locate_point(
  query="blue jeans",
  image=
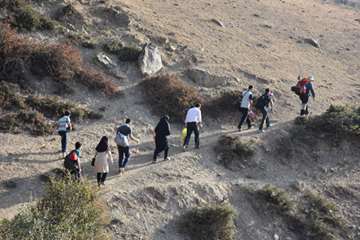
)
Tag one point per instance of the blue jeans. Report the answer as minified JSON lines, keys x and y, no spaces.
{"x":63,"y":135}
{"x":124,"y":155}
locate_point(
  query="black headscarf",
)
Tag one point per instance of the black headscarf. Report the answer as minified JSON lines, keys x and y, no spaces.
{"x":103,"y":145}
{"x":163,"y":127}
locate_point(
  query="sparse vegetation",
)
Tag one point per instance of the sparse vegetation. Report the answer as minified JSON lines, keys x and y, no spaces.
{"x":234,"y":151}
{"x":167,"y":94}
{"x":209,"y":223}
{"x":69,"y":210}
{"x":309,"y":216}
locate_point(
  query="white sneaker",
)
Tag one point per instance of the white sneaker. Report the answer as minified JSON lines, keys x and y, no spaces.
{"x":261,"y":130}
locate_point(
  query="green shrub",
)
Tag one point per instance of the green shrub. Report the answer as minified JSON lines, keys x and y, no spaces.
{"x":27,"y":18}
{"x":167,"y":94}
{"x":277,"y":197}
{"x":128,"y":53}
{"x":209,"y":223}
{"x":233,"y":151}
{"x":69,"y":210}
{"x":9,"y":100}
{"x":340,"y":121}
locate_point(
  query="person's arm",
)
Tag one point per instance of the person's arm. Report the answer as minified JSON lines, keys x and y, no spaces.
{"x":69,"y":123}
{"x":312,"y":92}
{"x":134,"y":138}
{"x":110,"y":157}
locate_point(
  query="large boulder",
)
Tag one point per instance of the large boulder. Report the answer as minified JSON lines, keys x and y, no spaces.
{"x":150,"y":60}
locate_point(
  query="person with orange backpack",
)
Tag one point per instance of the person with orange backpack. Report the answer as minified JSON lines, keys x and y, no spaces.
{"x":304,"y":89}
{"x":72,"y":162}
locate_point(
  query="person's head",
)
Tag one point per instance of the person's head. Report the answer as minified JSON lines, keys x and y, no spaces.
{"x":166,"y":117}
{"x":103,"y":144}
{"x":77,"y":145}
{"x":267,"y":90}
{"x":198,"y":105}
{"x":311,"y":78}
{"x":128,"y":121}
{"x":250,"y":87}
{"x":67,"y":113}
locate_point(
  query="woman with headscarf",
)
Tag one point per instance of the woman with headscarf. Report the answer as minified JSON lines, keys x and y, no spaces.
{"x":162,"y":130}
{"x":103,"y":159}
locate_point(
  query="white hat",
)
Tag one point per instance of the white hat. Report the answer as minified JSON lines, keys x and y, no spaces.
{"x":311,"y":78}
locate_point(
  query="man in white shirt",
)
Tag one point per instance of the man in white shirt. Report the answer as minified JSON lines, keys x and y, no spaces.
{"x":64,"y":126}
{"x":245,"y":105}
{"x":193,"y":121}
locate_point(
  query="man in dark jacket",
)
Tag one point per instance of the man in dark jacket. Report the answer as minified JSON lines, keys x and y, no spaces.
{"x":264,"y":104}
{"x":162,"y":130}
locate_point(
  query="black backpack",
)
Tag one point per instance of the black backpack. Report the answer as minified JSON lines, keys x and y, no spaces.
{"x":262,"y":101}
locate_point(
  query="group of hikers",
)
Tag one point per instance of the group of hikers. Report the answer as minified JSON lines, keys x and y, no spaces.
{"x":193,"y":122}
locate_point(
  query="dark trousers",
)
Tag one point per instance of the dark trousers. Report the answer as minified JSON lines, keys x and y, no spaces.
{"x":264,"y":118}
{"x":304,"y":104}
{"x":124,"y":155}
{"x":244,"y":116}
{"x":192,"y":127}
{"x":75,"y":174}
{"x":63,"y":135}
{"x":158,"y":151}
{"x":101,"y":177}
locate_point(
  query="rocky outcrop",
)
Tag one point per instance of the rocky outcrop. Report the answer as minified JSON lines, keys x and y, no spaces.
{"x":150,"y":60}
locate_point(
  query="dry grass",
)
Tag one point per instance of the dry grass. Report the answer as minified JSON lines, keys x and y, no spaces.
{"x":209,"y":223}
{"x":234,"y":152}
{"x":61,"y":62}
{"x":167,"y":94}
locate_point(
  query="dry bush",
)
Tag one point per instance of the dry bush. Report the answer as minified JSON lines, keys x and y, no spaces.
{"x":234,"y":152}
{"x":9,"y":100}
{"x":167,"y":94}
{"x":227,"y":103}
{"x":96,"y":80}
{"x":68,"y":210}
{"x":129,"y":53}
{"x":33,"y":122}
{"x":209,"y":223}
{"x":59,"y":61}
{"x":53,"y":107}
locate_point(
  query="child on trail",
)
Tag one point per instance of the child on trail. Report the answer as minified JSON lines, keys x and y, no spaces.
{"x":246,"y":101}
{"x":123,"y":134}
{"x":193,"y":122}
{"x":64,"y":126}
{"x":72,"y":162}
{"x":162,"y":130}
{"x":103,"y":159}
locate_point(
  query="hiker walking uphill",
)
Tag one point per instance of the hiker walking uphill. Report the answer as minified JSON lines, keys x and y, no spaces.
{"x":264,"y":104}
{"x":123,"y":134}
{"x":72,"y":162}
{"x":304,"y":89}
{"x":193,"y":121}
{"x":162,"y":130}
{"x":246,"y":101}
{"x":64,"y":126}
{"x":102,"y":160}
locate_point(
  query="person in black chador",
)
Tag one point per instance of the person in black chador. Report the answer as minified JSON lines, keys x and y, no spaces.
{"x":162,"y":130}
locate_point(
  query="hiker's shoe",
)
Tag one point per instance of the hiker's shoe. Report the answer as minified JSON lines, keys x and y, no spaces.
{"x":261,"y":130}
{"x":269,"y":126}
{"x":239,"y":129}
{"x":197,"y":147}
{"x":153,"y":162}
{"x":184,"y":147}
{"x":249,"y":127}
{"x":167,"y":159}
{"x":63,"y":154}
